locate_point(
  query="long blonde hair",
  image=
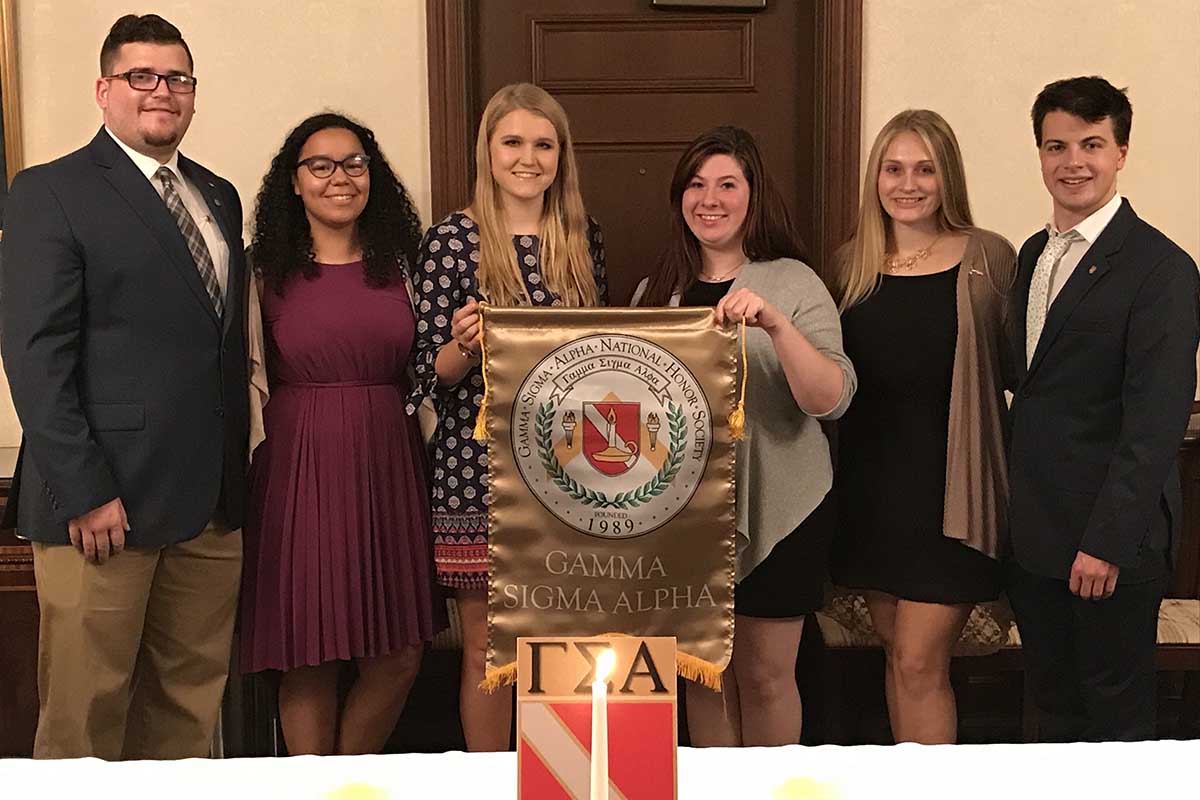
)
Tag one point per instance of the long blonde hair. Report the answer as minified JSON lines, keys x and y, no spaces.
{"x":566,"y":263}
{"x":859,"y":262}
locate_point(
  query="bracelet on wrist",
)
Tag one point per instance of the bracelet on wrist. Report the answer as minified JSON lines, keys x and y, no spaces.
{"x":466,"y":352}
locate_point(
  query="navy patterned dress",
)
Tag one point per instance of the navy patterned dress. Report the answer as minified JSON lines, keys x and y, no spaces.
{"x":443,"y":281}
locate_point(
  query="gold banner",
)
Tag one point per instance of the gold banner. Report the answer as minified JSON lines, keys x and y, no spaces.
{"x":611,"y":470}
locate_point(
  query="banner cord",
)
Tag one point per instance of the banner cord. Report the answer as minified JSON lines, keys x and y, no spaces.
{"x":481,"y":417}
{"x":737,"y":417}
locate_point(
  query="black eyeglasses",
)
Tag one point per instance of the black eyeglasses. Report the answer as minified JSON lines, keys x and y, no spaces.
{"x":323,"y":167}
{"x":145,"y":81}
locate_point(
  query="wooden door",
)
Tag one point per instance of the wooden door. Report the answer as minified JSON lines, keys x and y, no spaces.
{"x":639,"y":83}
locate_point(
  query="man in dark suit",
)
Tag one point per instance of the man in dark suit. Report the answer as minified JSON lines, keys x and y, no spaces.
{"x":123,"y":297}
{"x":1107,"y":314}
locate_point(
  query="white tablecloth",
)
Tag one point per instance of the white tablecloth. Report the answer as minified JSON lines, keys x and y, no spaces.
{"x":963,"y":772}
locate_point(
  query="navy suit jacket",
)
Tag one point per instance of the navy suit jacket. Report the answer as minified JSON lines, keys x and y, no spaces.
{"x":1099,"y":414}
{"x":126,"y":382}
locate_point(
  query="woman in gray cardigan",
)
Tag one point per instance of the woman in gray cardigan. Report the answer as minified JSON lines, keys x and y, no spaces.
{"x":733,"y":246}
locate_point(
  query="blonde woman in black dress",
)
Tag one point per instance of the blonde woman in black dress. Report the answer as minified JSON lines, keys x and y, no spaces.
{"x":922,"y":482}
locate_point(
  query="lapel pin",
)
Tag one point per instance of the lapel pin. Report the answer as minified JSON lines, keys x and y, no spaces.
{"x":976,"y":272}
{"x":1091,"y":270}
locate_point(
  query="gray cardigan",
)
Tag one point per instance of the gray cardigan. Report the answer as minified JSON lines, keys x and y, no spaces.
{"x":783,"y":466}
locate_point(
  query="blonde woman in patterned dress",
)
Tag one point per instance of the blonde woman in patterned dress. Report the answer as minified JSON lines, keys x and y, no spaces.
{"x":524,"y":240}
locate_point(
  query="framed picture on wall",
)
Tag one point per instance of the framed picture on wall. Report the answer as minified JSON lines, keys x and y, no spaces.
{"x":10,"y":106}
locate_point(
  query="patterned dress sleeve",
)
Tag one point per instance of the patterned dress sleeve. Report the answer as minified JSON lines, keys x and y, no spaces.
{"x":599,"y":269}
{"x":443,"y":258}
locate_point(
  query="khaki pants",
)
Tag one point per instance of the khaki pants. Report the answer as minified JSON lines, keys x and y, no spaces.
{"x":133,"y":654}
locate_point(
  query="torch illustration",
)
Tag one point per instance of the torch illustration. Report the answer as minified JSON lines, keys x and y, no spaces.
{"x":652,"y":425}
{"x":568,"y":423}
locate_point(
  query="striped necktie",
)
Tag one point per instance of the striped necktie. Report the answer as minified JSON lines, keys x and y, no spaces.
{"x":191,"y":235}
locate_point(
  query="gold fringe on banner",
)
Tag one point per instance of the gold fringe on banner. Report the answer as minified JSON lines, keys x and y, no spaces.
{"x":481,"y":417}
{"x":496,"y":677}
{"x":698,"y":670}
{"x":737,"y":417}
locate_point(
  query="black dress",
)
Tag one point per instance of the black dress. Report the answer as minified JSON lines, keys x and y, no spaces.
{"x":790,"y":582}
{"x":891,"y":468}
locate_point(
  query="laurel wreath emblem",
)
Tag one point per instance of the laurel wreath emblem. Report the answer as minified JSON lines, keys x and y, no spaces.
{"x":543,"y":431}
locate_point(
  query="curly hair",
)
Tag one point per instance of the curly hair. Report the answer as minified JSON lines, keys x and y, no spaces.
{"x":389,"y":228}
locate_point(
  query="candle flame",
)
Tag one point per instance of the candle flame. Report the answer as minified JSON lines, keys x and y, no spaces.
{"x":605,"y":664}
{"x":805,"y":789}
{"x":357,"y":791}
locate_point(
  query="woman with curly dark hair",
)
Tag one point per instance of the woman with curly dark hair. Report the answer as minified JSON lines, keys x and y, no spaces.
{"x":339,"y":565}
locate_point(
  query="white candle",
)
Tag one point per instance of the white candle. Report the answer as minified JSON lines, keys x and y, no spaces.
{"x":604,"y":665}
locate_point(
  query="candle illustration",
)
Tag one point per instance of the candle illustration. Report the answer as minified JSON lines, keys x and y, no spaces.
{"x":617,"y":450}
{"x":652,"y":425}
{"x":568,"y":423}
{"x":604,"y":666}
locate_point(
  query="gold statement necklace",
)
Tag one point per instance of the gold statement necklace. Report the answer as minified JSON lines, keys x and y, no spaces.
{"x":893,"y":263}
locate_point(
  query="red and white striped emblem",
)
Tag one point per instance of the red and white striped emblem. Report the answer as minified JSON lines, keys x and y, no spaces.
{"x":554,"y":720}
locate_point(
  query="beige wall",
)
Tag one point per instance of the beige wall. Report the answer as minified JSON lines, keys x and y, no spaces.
{"x":263,"y":65}
{"x":980,"y":63}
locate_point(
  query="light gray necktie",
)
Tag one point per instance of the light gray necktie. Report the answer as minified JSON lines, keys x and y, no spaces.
{"x":193,"y":238}
{"x":1039,"y":288}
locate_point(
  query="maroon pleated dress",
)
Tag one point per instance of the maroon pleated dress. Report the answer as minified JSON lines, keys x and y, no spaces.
{"x":339,"y":562}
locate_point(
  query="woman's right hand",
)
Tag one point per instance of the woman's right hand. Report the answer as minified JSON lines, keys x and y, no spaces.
{"x":465,"y":328}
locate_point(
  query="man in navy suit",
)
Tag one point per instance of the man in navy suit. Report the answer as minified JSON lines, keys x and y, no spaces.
{"x":1107,"y":319}
{"x":123,"y":292}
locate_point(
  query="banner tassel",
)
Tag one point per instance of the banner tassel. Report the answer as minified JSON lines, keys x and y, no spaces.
{"x":481,"y":417}
{"x":496,"y":677}
{"x":737,"y":417}
{"x":698,"y":670}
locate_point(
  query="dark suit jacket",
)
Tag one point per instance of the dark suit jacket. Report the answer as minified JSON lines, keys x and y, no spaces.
{"x":1098,"y":417}
{"x":126,"y":382}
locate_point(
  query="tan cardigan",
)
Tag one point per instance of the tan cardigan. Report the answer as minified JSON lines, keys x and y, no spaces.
{"x":976,"y":508}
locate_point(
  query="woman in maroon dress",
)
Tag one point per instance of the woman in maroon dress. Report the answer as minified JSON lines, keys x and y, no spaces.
{"x":338,"y":557}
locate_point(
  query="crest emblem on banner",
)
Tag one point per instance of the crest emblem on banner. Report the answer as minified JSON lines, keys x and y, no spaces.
{"x":611,"y":434}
